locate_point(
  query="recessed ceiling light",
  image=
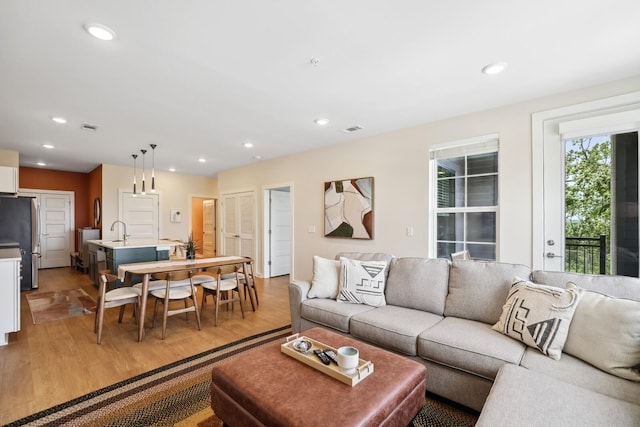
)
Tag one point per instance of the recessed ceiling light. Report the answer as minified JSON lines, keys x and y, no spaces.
{"x":247,"y":145}
{"x":495,"y":68}
{"x":257,"y":157}
{"x":60,"y":120}
{"x":49,"y":146}
{"x":100,"y":31}
{"x":321,"y":122}
{"x":172,"y":169}
{"x":41,"y":164}
{"x":202,"y":160}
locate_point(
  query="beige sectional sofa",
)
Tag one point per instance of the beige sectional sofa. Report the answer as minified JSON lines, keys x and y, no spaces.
{"x":441,"y":313}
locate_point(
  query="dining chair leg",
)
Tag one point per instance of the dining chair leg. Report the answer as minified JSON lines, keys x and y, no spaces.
{"x":155,"y":311}
{"x":95,"y":319}
{"x":165,"y":314}
{"x":217,"y":298}
{"x":100,"y":318}
{"x":195,"y":306}
{"x":122,"y":307}
{"x":241,"y":303}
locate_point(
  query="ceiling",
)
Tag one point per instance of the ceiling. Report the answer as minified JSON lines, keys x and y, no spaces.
{"x":200,"y":78}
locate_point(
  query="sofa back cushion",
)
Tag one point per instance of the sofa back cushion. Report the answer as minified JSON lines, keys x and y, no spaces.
{"x":478,"y":289}
{"x":418,"y":283}
{"x":605,"y":332}
{"x":615,"y":286}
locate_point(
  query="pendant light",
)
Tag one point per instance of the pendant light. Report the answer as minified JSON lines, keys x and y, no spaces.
{"x":153,"y":167}
{"x":143,"y":153}
{"x":135,"y":156}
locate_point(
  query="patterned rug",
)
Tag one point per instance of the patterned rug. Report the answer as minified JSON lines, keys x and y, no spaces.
{"x":57,"y":305}
{"x":178,"y":394}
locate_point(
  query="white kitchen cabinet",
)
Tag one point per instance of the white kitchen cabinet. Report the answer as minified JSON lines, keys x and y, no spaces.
{"x":8,"y":180}
{"x":9,"y":293}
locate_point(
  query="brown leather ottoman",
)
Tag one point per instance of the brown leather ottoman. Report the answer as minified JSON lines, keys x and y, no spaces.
{"x":265,"y":387}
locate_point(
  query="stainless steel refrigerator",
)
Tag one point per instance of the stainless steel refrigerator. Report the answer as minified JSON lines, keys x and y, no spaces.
{"x":20,"y":228}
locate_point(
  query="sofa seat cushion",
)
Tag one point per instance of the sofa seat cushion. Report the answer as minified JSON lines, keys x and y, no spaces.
{"x":577,"y":372}
{"x":392,"y":327}
{"x":329,"y":312}
{"x":469,"y":346}
{"x":521,"y":397}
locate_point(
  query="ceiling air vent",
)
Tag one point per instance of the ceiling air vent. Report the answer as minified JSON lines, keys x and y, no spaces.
{"x":353,"y":128}
{"x":87,"y":126}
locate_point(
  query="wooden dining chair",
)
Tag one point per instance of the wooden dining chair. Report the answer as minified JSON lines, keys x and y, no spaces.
{"x":248,"y":281}
{"x":178,"y":286}
{"x":117,"y":297}
{"x":224,"y":291}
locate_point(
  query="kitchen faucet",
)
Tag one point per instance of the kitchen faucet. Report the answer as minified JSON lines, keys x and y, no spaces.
{"x":125,"y":235}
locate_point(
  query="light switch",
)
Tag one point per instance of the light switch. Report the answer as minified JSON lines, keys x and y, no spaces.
{"x":311,"y":229}
{"x":409,"y":231}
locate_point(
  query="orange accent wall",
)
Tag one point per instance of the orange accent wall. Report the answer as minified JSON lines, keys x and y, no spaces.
{"x":196,"y":221}
{"x":48,"y":179}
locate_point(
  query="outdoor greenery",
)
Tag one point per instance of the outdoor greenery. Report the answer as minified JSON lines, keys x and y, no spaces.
{"x":588,"y":192}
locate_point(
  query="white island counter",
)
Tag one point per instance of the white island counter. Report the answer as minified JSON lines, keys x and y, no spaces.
{"x":136,"y":243}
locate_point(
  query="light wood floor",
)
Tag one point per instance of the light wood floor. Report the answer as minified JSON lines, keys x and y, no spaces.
{"x":50,"y":363}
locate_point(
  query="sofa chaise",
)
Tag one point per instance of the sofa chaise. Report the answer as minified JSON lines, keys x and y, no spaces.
{"x":460,"y":318}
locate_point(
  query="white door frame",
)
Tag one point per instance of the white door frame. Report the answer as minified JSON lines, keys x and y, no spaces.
{"x":266,"y":216}
{"x":544,"y":129}
{"x":32,"y":192}
{"x":217,"y":224}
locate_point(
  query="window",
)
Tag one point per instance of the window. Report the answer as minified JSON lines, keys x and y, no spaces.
{"x":465,"y":198}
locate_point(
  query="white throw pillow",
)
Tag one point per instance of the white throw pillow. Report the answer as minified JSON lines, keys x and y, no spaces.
{"x":325,"y":278}
{"x":605,"y":332}
{"x":362,"y":282}
{"x":538,"y":315}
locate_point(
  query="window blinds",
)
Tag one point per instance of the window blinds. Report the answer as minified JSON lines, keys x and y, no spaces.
{"x":626,"y":121}
{"x":471,"y":147}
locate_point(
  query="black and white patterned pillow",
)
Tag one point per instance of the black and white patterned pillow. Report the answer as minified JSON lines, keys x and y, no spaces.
{"x":538,"y":315}
{"x":362,"y":282}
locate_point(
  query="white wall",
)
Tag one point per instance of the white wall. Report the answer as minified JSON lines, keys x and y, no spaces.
{"x":175,"y":192}
{"x":398,"y":161}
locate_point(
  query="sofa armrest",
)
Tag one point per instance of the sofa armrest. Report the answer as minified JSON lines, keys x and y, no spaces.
{"x":298,"y":290}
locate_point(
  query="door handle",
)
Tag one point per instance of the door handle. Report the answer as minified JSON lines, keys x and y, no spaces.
{"x":552,"y":255}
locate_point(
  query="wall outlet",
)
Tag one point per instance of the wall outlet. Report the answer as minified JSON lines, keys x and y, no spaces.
{"x":409,"y":231}
{"x":311,"y":229}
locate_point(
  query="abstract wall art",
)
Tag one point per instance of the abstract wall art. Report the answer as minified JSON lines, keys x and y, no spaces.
{"x":348,"y":208}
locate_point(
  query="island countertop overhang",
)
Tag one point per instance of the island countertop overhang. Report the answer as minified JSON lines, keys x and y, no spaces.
{"x":159,"y":244}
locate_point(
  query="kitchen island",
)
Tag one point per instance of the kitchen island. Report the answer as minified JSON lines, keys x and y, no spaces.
{"x":109,"y":254}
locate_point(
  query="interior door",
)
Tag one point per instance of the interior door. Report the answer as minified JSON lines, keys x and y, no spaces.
{"x":238,"y":230}
{"x":209,"y":228}
{"x":140,"y":213}
{"x":55,"y":213}
{"x":279,"y":233}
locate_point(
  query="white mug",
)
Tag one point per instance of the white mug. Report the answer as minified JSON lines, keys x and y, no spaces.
{"x":348,"y":359}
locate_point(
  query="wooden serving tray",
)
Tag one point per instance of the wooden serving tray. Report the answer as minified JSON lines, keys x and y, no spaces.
{"x":365,"y":368}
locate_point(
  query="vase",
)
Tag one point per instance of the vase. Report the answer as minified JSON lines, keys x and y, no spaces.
{"x":191,"y":255}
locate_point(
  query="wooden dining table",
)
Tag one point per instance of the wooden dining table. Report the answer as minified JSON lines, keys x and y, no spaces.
{"x":145,"y":270}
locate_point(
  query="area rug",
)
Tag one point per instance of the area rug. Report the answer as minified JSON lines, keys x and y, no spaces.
{"x":178,"y":394}
{"x":57,"y":305}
